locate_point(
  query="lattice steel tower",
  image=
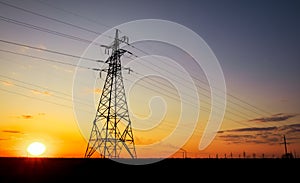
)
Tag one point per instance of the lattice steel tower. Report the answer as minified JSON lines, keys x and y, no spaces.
{"x":111,"y":131}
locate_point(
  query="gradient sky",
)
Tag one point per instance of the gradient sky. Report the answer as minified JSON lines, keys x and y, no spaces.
{"x":256,"y":43}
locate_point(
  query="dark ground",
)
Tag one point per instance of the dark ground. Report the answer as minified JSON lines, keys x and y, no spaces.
{"x":107,"y":170}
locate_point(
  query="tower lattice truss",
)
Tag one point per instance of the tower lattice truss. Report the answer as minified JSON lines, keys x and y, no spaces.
{"x":111,"y":132}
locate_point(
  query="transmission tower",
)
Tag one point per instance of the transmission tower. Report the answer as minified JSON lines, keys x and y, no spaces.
{"x":111,"y":131}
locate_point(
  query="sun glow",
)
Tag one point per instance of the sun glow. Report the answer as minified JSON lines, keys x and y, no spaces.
{"x":36,"y":149}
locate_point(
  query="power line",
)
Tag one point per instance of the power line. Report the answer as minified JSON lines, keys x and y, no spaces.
{"x":68,"y":36}
{"x":42,"y":29}
{"x":146,"y":53}
{"x":52,"y":51}
{"x":74,"y":14}
{"x":48,"y":31}
{"x":91,"y":31}
{"x":50,"y":18}
{"x":69,"y":97}
{"x":21,"y":94}
{"x":62,"y":93}
{"x":51,"y":60}
{"x":159,"y":90}
{"x":33,"y":89}
{"x":165,"y":70}
{"x":45,"y":59}
{"x":205,"y":109}
{"x":257,"y":110}
{"x":87,"y":41}
{"x":170,"y":125}
{"x":46,"y":50}
{"x":247,"y":103}
{"x":155,"y":82}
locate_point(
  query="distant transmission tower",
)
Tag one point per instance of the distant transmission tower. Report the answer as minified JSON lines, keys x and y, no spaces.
{"x":111,"y":131}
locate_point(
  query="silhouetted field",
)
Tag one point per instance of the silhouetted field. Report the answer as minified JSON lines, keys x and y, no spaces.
{"x":98,"y":170}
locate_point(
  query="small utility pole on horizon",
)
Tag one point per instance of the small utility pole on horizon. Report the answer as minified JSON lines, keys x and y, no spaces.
{"x":286,"y":153}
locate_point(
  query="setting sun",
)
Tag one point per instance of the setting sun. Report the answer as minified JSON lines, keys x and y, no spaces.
{"x":36,"y":148}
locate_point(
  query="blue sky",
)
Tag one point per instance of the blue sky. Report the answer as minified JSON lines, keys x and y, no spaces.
{"x":256,"y":42}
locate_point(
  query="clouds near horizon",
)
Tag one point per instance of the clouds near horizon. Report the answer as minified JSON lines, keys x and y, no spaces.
{"x":260,"y":135}
{"x":275,"y":118}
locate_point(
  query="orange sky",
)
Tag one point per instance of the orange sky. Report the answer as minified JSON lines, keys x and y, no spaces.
{"x":49,"y":94}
